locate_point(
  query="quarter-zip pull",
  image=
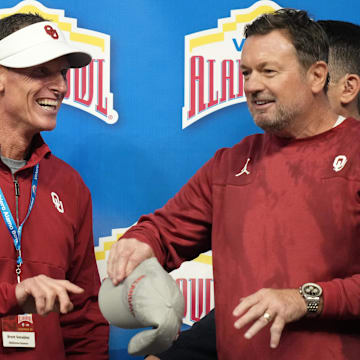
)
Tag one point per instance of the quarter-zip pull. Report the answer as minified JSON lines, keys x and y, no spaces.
{"x":17,"y":188}
{"x":17,"y":195}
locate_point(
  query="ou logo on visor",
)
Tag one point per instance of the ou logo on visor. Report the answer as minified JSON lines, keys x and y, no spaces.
{"x":58,"y":204}
{"x":51,"y":31}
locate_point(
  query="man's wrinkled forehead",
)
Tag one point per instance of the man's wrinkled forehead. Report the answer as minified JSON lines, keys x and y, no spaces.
{"x":267,"y":48}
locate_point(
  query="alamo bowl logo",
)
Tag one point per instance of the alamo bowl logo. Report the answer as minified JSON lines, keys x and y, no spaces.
{"x":213,"y":79}
{"x":88,"y":87}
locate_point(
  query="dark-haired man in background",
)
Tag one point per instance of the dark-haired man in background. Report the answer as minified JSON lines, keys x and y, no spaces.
{"x":344,"y":67}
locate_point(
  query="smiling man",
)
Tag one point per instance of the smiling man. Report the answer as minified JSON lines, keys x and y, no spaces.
{"x":199,"y":342}
{"x":48,"y":268}
{"x":284,"y":233}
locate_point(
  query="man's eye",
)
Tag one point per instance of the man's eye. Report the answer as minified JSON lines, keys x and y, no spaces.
{"x":39,"y":72}
{"x":64,"y":73}
{"x":269,"y":71}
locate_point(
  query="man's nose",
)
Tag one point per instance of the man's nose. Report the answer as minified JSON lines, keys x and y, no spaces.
{"x":253,"y":83}
{"x":59,"y":83}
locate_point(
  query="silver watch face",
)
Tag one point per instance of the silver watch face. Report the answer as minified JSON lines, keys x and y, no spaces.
{"x":311,"y":289}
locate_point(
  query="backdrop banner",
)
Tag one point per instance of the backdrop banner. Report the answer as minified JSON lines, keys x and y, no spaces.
{"x":164,"y":91}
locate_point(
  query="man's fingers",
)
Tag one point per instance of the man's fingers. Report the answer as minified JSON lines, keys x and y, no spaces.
{"x":133,"y":262}
{"x":276,"y":330}
{"x":42,"y":294}
{"x":57,"y":295}
{"x":280,"y":306}
{"x":68,"y":286}
{"x":261,"y":322}
{"x":125,"y":256}
{"x":111,"y":261}
{"x":39,"y":294}
{"x":41,"y":305}
{"x":117,"y":262}
{"x":130,"y":266}
{"x":253,"y":314}
{"x":62,"y":302}
{"x":45,"y":292}
{"x":54,"y":295}
{"x":247,"y":302}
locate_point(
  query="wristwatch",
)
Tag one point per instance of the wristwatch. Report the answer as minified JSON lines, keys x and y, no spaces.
{"x":311,"y":293}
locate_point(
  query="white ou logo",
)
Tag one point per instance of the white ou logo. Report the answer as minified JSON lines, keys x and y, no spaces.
{"x":339,"y":162}
{"x":58,"y":204}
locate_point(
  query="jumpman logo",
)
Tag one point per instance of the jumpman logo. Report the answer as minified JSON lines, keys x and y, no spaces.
{"x":244,"y":169}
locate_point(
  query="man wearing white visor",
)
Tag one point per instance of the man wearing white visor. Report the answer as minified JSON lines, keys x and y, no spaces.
{"x":48,"y":278}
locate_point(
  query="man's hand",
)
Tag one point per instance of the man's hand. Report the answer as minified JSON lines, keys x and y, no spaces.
{"x":125,"y":256}
{"x":269,"y":305}
{"x":41,"y":294}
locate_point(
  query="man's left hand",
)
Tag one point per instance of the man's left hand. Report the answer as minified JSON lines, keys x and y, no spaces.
{"x":266,"y":306}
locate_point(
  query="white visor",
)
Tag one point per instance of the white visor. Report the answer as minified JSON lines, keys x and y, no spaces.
{"x":37,"y":44}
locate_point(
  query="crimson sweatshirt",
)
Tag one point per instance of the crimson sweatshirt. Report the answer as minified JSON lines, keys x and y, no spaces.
{"x":56,"y":241}
{"x":276,"y":213}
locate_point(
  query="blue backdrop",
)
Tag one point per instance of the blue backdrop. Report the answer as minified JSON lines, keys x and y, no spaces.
{"x":134,"y":165}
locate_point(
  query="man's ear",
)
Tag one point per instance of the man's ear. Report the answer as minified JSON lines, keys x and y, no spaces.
{"x":317,"y":75}
{"x":2,"y":78}
{"x":350,"y":89}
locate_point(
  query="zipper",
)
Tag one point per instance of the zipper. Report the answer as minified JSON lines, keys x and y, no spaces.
{"x":17,"y":195}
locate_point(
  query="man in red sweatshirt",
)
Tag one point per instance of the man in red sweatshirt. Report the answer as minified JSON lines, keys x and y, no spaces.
{"x":199,"y":342}
{"x":48,"y":280}
{"x":280,"y":210}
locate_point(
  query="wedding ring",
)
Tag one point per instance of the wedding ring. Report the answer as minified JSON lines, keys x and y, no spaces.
{"x":267,"y":317}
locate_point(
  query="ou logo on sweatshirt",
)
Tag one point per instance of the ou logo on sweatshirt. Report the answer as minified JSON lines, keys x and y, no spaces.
{"x":339,"y":162}
{"x":58,"y":204}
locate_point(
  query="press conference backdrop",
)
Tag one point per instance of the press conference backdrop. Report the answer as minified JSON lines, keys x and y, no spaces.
{"x":162,"y":94}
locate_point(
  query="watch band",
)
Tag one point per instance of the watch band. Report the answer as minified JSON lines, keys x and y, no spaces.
{"x":311,"y":293}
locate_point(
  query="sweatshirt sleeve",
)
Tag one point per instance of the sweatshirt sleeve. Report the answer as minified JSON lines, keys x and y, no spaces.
{"x":85,"y":331}
{"x":341,"y":298}
{"x":181,"y":230}
{"x":8,"y":302}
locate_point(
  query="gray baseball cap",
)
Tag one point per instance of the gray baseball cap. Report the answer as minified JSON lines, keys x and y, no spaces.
{"x":148,"y":297}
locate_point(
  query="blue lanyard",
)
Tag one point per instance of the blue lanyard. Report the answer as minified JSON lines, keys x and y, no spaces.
{"x":14,"y":231}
